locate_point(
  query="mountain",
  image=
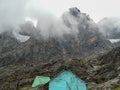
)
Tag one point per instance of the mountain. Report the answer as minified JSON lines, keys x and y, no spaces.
{"x":86,"y":41}
{"x":82,"y":50}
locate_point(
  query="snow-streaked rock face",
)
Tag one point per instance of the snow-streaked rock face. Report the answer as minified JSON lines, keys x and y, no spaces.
{"x":114,"y":40}
{"x":21,"y":38}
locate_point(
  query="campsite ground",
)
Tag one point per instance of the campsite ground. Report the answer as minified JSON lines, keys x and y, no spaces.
{"x":98,"y":74}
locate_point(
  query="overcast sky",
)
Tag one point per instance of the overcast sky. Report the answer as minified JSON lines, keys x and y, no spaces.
{"x":13,"y":11}
{"x":97,"y":9}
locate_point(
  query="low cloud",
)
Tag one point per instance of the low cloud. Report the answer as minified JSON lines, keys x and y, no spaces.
{"x":110,"y":27}
{"x":14,"y":13}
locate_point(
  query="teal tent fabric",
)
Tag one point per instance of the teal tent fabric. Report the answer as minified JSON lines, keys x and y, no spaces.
{"x":66,"y":80}
{"x":40,"y":80}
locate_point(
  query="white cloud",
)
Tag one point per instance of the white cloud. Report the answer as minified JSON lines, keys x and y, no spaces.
{"x":97,"y":9}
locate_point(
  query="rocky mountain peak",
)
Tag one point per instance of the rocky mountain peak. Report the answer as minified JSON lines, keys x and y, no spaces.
{"x":74,"y":11}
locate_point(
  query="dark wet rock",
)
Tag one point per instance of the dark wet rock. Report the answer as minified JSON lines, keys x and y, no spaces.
{"x":75,"y":11}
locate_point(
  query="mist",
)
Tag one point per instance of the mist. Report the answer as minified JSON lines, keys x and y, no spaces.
{"x":15,"y":12}
{"x":110,"y":27}
{"x":12,"y":13}
{"x":40,"y":21}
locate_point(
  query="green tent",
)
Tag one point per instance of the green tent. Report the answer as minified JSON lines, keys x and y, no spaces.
{"x":40,"y":80}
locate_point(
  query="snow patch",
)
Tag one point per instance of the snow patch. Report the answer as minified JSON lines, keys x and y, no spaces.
{"x":21,"y":38}
{"x":114,"y":40}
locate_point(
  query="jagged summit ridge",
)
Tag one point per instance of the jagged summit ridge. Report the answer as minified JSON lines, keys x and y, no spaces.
{"x":83,"y":39}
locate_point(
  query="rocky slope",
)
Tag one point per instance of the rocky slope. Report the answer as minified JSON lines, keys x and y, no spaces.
{"x":100,"y":72}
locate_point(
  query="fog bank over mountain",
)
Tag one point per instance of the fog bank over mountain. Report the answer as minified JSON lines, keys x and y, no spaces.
{"x":13,"y":16}
{"x":110,"y":27}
